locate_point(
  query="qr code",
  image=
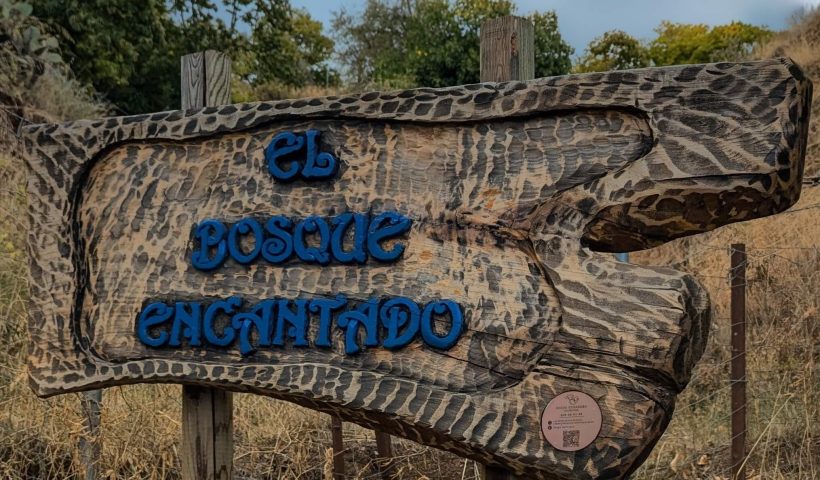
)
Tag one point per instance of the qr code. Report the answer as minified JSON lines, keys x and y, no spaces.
{"x":572,"y":438}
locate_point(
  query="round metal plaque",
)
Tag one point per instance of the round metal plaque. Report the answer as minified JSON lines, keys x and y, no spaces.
{"x":571,"y":421}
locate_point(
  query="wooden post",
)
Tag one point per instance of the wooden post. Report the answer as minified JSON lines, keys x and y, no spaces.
{"x":507,"y":53}
{"x":507,"y":49}
{"x":738,"y":378}
{"x":494,"y":473}
{"x":339,"y":472}
{"x":90,"y":446}
{"x":384,"y":450}
{"x":206,"y":79}
{"x":207,"y":413}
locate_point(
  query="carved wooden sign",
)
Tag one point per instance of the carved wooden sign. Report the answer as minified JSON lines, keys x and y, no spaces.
{"x":424,"y":261}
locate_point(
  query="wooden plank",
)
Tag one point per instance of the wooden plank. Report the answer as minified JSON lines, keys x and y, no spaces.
{"x":207,"y":413}
{"x":507,"y":49}
{"x":513,"y":190}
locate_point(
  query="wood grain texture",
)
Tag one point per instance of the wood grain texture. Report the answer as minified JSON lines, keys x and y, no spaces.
{"x":206,"y":79}
{"x":507,"y":49}
{"x":217,"y":79}
{"x":511,"y":188}
{"x":192,"y":80}
{"x":207,"y":413}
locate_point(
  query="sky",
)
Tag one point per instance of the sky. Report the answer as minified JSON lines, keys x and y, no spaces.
{"x":580,"y":21}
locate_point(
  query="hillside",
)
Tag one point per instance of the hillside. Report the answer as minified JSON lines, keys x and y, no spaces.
{"x":141,"y":433}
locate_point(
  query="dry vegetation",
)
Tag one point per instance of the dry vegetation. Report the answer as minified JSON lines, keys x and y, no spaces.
{"x":141,"y":424}
{"x":783,"y":342}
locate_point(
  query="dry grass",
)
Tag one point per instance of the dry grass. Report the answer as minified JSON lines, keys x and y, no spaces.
{"x":141,"y":426}
{"x":783,"y":304}
{"x":783,"y":281}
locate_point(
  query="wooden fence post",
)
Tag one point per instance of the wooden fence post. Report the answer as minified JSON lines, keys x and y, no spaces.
{"x":207,"y":413}
{"x":507,"y":53}
{"x":738,"y":377}
{"x":339,"y":472}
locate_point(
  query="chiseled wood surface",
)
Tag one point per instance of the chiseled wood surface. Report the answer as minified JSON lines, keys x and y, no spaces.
{"x":511,"y":188}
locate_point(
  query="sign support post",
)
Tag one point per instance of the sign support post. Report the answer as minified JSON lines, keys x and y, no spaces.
{"x":339,"y":472}
{"x":384,"y":449}
{"x":507,"y":49}
{"x":207,"y":413}
{"x":507,"y":54}
{"x":91,"y":443}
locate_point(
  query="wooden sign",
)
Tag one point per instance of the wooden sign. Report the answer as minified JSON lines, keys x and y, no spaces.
{"x":424,"y":262}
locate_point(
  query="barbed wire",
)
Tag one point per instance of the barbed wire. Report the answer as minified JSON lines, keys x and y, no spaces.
{"x":22,"y":121}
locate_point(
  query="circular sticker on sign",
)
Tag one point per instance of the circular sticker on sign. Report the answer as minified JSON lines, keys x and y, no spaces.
{"x":571,"y":421}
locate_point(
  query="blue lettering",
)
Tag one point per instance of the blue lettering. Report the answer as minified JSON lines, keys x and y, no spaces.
{"x":397,"y":314}
{"x":229,"y":334}
{"x":244,"y":227}
{"x":283,"y":145}
{"x":365,"y":315}
{"x":384,"y":227}
{"x":340,"y":227}
{"x":350,"y":321}
{"x":313,"y":240}
{"x":259,"y":317}
{"x":392,"y":323}
{"x":295,"y":322}
{"x":286,"y":145}
{"x":186,"y":324}
{"x":279,"y":247}
{"x":318,"y":254}
{"x":153,"y":315}
{"x":318,"y":165}
{"x":210,"y":234}
{"x":428,"y":332}
{"x":325,"y":307}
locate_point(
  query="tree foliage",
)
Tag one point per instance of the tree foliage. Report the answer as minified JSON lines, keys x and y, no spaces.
{"x":675,"y":44}
{"x":680,"y":43}
{"x":614,"y":50}
{"x":112,"y":46}
{"x":372,"y":46}
{"x":433,"y":42}
{"x":552,"y":53}
{"x":289,"y":46}
{"x":129,"y":51}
